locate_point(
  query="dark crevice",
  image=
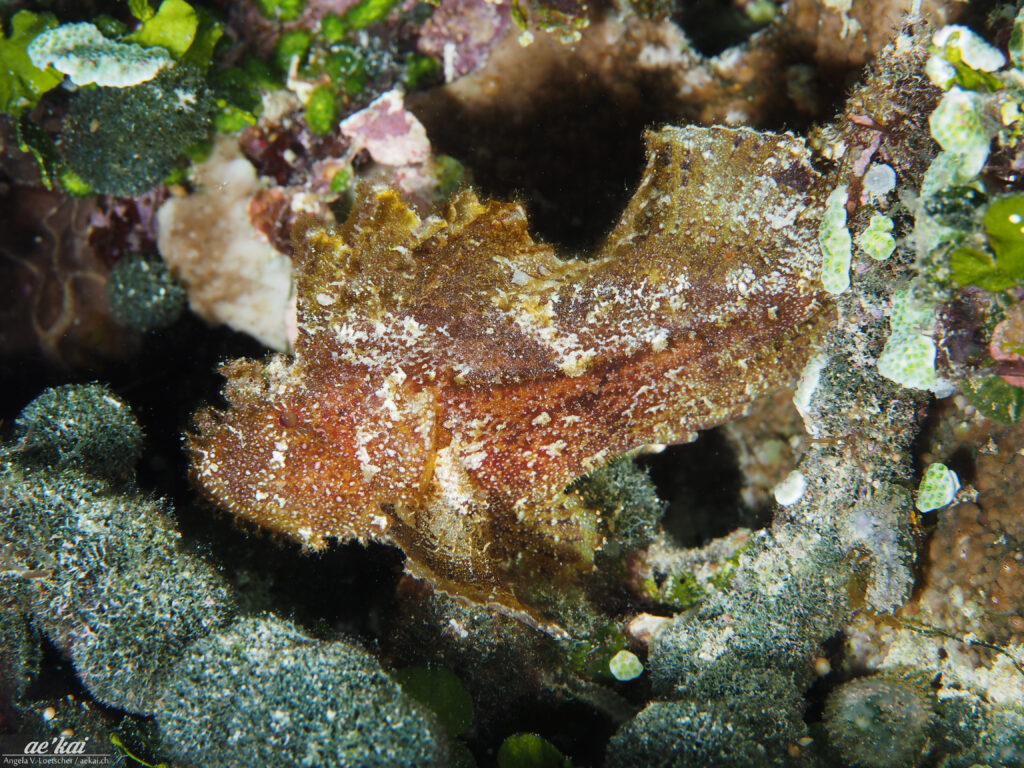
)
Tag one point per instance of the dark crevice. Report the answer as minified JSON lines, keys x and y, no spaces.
{"x":573,"y":155}
{"x":701,"y":481}
{"x":56,"y":677}
{"x":834,"y":649}
{"x":715,"y":25}
{"x":560,"y":129}
{"x":961,"y":459}
{"x":925,"y":437}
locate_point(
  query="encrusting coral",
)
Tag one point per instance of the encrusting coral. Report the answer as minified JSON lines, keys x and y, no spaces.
{"x":440,"y":361}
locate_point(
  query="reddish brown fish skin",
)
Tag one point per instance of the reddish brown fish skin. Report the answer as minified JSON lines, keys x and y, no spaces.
{"x":451,"y":376}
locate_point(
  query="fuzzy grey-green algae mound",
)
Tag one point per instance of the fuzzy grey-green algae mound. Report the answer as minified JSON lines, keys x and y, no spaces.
{"x":318,"y":703}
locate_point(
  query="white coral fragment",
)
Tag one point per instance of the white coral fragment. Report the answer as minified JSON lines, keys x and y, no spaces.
{"x":233,"y":276}
{"x":791,"y":490}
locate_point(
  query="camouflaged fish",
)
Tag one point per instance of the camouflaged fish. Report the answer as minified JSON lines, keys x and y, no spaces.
{"x":452,"y":376}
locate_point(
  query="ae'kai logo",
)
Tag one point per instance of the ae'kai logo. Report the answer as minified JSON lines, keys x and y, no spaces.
{"x":58,"y":745}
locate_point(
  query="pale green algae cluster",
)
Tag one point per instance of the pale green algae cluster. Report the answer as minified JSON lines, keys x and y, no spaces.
{"x":836,"y":244}
{"x":959,"y":123}
{"x":625,"y":665}
{"x":976,"y":86}
{"x":83,"y":53}
{"x":877,"y":240}
{"x":938,"y":487}
{"x":909,"y":354}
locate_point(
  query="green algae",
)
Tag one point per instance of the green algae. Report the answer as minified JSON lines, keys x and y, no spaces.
{"x":22,"y":83}
{"x":995,"y":399}
{"x":529,"y":750}
{"x":443,"y":692}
